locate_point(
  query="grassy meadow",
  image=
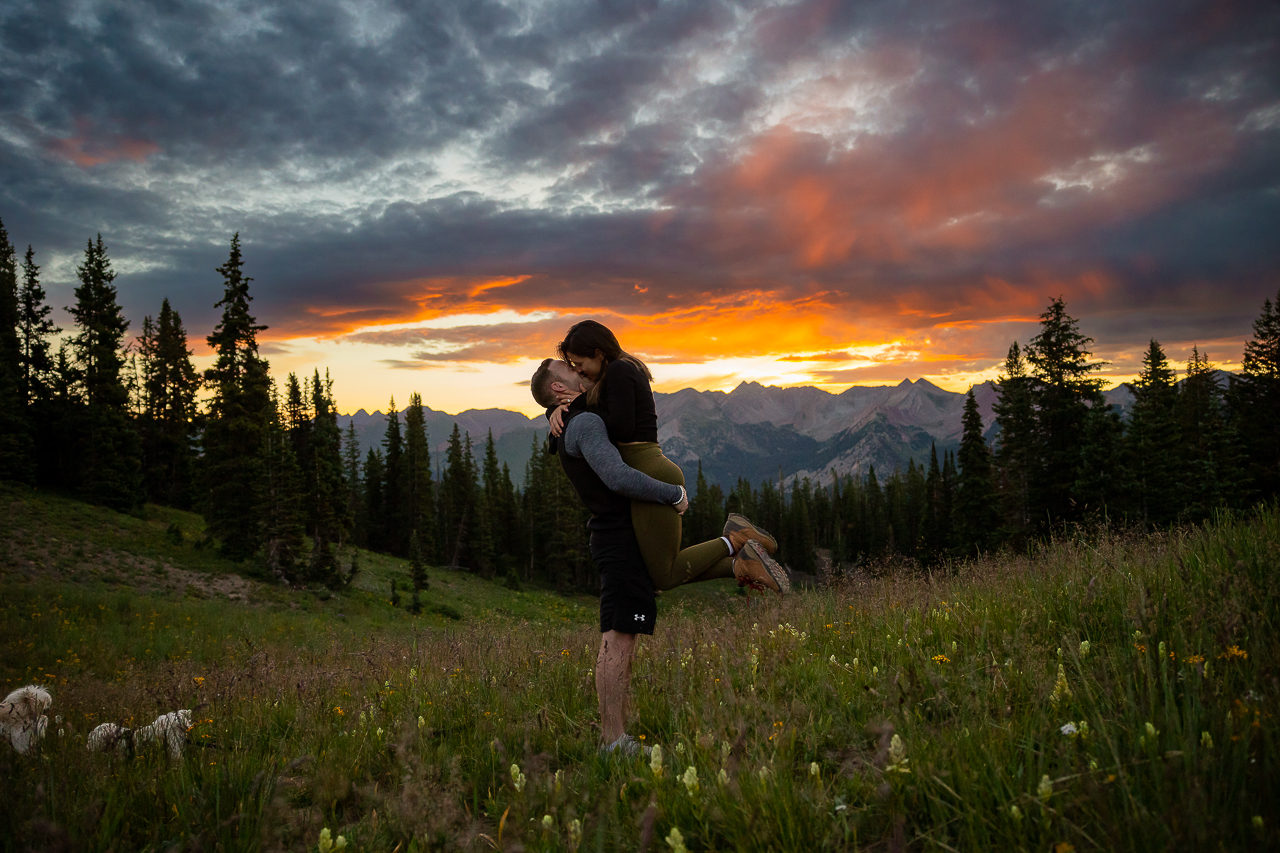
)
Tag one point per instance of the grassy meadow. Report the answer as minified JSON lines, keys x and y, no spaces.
{"x":1107,"y":692}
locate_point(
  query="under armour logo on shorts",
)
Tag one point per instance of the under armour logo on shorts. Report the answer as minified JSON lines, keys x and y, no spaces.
{"x":639,"y":617}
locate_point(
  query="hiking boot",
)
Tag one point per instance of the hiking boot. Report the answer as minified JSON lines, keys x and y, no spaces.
{"x":753,"y":567}
{"x":739,"y":531}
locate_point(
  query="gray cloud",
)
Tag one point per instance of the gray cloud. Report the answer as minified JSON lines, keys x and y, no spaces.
{"x":627,"y":156}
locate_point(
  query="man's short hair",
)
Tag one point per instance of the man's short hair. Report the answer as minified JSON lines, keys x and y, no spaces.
{"x":540,"y":384}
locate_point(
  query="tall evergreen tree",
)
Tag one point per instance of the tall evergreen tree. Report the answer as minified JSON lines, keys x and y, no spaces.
{"x":109,"y":456}
{"x":326,"y":509}
{"x":1152,"y":438}
{"x":976,"y":511}
{"x":1016,"y":454}
{"x":417,"y":572}
{"x":15,"y":438}
{"x":240,"y":412}
{"x":34,"y":332}
{"x":370,"y":523}
{"x":1064,"y":391}
{"x":1256,"y":399}
{"x":351,"y":480}
{"x":457,"y":494}
{"x":1209,"y":465}
{"x":166,"y":425}
{"x":280,"y":516}
{"x":395,"y":510}
{"x":419,"y":485}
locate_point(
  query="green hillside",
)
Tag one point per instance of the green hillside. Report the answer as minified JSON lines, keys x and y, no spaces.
{"x":1109,"y":692}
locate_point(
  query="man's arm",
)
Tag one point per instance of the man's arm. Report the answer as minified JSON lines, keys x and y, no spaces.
{"x":586,"y":437}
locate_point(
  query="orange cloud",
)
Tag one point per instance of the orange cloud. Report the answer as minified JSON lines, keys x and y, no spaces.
{"x":89,"y":148}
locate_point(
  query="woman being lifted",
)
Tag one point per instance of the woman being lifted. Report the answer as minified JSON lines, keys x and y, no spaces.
{"x":621,"y":395}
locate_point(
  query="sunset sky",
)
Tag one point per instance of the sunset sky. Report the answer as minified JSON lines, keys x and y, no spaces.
{"x":793,"y":193}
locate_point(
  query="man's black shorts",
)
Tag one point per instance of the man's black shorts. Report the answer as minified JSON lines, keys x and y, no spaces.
{"x":627,"y":600}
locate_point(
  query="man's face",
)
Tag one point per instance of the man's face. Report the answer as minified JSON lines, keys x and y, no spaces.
{"x":571,"y":381}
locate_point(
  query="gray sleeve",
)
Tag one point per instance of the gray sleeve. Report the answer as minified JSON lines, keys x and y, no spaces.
{"x":587,"y":438}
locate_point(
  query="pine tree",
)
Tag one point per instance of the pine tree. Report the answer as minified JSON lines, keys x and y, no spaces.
{"x":419,"y":485}
{"x":876,"y":534}
{"x":370,"y":523}
{"x":351,"y":481}
{"x":1256,"y":398}
{"x":395,"y":511}
{"x":977,"y":514}
{"x":15,"y":437}
{"x":108,"y":452}
{"x":417,"y":568}
{"x":1017,"y":448}
{"x":801,"y":543}
{"x":325,"y":499}
{"x":1152,"y":438}
{"x":457,"y":497}
{"x":34,"y":331}
{"x":239,"y":414}
{"x":1064,"y":391}
{"x":166,"y":425}
{"x":1209,"y":467}
{"x":280,"y":516}
{"x":1104,"y":484}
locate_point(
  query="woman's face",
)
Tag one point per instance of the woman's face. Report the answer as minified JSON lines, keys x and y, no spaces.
{"x":588,"y":366}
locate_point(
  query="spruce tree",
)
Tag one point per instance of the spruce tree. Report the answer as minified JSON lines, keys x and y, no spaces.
{"x":1256,"y":399}
{"x":34,"y":331}
{"x":457,"y":491}
{"x":370,"y":523}
{"x":326,"y":508}
{"x":279,"y":498}
{"x":419,"y":485}
{"x":166,"y":425}
{"x":1209,"y":465}
{"x":976,"y":512}
{"x":351,"y":480}
{"x":1016,"y":453}
{"x":1065,"y":389}
{"x":395,"y":515}
{"x":15,"y":437}
{"x":1152,"y":439}
{"x":108,"y":452}
{"x":1104,"y":485}
{"x":240,"y":412}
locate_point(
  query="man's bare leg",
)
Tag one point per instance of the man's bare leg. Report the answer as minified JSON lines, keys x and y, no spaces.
{"x":613,"y":682}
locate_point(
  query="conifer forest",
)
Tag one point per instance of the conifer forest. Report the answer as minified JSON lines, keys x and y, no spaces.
{"x":282,"y":488}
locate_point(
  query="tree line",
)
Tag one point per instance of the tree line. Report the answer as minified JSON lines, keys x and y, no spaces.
{"x":281,"y":486}
{"x":1061,"y":455}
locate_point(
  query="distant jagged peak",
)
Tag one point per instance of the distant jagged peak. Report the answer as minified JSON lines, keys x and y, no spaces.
{"x":906,"y":382}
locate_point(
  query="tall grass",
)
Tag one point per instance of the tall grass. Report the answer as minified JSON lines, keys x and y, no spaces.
{"x":920,"y":712}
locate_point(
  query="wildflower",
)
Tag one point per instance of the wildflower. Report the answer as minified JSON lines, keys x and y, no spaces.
{"x":1093,"y":764}
{"x":855,"y":661}
{"x":1045,"y":789}
{"x":832,"y":659}
{"x":954,"y":647}
{"x":1141,"y":648}
{"x":1194,"y":659}
{"x":575,"y":833}
{"x":1084,"y":648}
{"x":1015,"y":813}
{"x":1151,"y":730}
{"x":690,"y":779}
{"x":1070,"y":730}
{"x":379,"y":731}
{"x":1206,"y":740}
{"x":1084,"y":729}
{"x":676,"y":841}
{"x":1137,"y":635}
{"x":814,"y":770}
{"x":328,"y":843}
{"x":723,"y":777}
{"x":655,"y":760}
{"x":198,"y":680}
{"x":764,"y":773}
{"x":1234,"y":652}
{"x":875,"y":670}
{"x":897,"y":756}
{"x":337,"y":709}
{"x":557,"y":780}
{"x":1059,"y":652}
{"x":548,"y":822}
{"x":421,"y":722}
{"x":942,"y":659}
{"x":517,"y":778}
{"x":1061,"y":690}
{"x":1160,"y":648}
{"x":680,"y":748}
{"x":724,"y":749}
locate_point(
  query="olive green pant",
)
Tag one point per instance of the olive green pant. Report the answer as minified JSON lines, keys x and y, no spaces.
{"x":658,"y":528}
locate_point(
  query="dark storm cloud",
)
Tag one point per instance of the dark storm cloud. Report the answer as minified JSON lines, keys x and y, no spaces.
{"x":687,"y":153}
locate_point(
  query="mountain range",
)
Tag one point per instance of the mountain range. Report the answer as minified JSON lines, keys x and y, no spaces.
{"x":754,"y":431}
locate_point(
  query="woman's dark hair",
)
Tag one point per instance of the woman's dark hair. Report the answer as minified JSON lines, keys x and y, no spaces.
{"x":587,"y":336}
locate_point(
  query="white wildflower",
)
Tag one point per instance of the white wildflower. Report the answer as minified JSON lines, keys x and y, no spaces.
{"x":690,"y":779}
